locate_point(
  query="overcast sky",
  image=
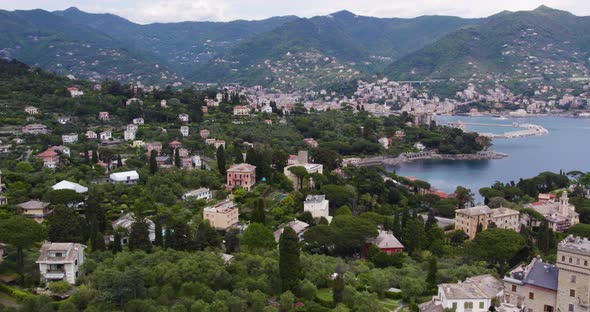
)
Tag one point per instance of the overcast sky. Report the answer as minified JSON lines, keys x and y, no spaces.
{"x":149,"y":11}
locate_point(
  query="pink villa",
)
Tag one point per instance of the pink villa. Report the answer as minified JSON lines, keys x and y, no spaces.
{"x":204,"y":133}
{"x":243,"y":175}
{"x":104,"y":116}
{"x":157,"y":146}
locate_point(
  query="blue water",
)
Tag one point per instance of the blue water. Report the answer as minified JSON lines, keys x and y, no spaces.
{"x":566,"y":147}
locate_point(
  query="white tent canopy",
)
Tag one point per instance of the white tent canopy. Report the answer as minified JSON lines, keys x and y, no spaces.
{"x":67,"y":185}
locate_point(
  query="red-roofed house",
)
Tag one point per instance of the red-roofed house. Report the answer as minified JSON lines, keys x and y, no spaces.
{"x":243,"y":175}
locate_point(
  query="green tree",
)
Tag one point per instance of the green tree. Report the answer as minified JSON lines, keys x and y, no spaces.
{"x":220,"y":156}
{"x":177,"y":160}
{"x":98,"y":242}
{"x":21,"y":233}
{"x":338,"y":285}
{"x":117,"y":242}
{"x":119,"y":161}
{"x":207,"y":236}
{"x":178,"y":235}
{"x":139,"y":236}
{"x":414,"y":236}
{"x":153,"y":162}
{"x":352,"y":233}
{"x":258,"y":237}
{"x":289,"y":262}
{"x":546,"y":238}
{"x":431,"y":275}
{"x":497,"y":246}
{"x":232,"y":241}
{"x":465,"y":196}
{"x":159,"y":240}
{"x":259,"y":214}
{"x":63,"y":225}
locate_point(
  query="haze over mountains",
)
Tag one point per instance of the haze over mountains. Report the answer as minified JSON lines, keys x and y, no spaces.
{"x":291,"y":52}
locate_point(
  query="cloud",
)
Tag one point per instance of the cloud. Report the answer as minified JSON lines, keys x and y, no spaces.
{"x":149,"y":11}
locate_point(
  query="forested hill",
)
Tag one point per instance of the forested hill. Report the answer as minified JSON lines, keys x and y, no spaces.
{"x":543,"y":42}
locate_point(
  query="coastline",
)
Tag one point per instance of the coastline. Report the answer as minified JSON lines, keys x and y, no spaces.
{"x":409,"y":157}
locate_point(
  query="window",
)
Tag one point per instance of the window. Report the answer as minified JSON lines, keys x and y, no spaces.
{"x":570,"y":259}
{"x":570,"y":308}
{"x":530,"y":310}
{"x":76,"y":262}
{"x":455,"y":306}
{"x":562,"y":258}
{"x":585,"y":262}
{"x":572,"y":292}
{"x":468,"y":305}
{"x":547,"y":308}
{"x":573,"y":279}
{"x":513,"y":288}
{"x":481,"y":305}
{"x":532,"y":296}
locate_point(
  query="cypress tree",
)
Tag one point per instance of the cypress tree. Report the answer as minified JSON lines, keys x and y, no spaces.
{"x":432,"y":270}
{"x":139,"y":238}
{"x":87,"y":157}
{"x":119,"y":161}
{"x":98,"y":242}
{"x":94,"y":157}
{"x":220,"y":155}
{"x":397,"y":224}
{"x":159,"y":241}
{"x":153,"y":162}
{"x":259,"y":214}
{"x":177,"y":160}
{"x":117,"y":242}
{"x":338,"y":286}
{"x":289,"y":262}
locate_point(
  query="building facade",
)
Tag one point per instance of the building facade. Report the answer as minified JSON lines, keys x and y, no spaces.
{"x":470,"y":220}
{"x":222,"y":216}
{"x":243,"y":175}
{"x":60,"y":262}
{"x":318,"y":206}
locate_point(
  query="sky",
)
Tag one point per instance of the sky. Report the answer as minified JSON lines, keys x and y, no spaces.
{"x":150,"y":11}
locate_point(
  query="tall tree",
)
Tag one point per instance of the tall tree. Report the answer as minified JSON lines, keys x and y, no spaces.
{"x":117,"y":242}
{"x":153,"y":162}
{"x":220,"y":155}
{"x":177,"y":161}
{"x":159,"y":240}
{"x":545,"y":238}
{"x":98,"y":242}
{"x":94,"y":156}
{"x":63,"y":225}
{"x":119,"y":161}
{"x":259,"y":214}
{"x":22,"y":233}
{"x":232,"y":240}
{"x":289,"y":262}
{"x":139,"y":236}
{"x":432,"y":270}
{"x":258,"y":237}
{"x":178,"y":235}
{"x":465,"y":197}
{"x":497,"y":246}
{"x":207,"y":236}
{"x":338,"y":285}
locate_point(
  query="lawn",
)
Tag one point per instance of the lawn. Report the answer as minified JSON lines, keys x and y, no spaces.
{"x":325,"y":294}
{"x":389,"y":304}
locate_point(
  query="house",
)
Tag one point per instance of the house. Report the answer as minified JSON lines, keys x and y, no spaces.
{"x":133,"y":100}
{"x":163,"y":161}
{"x":150,"y":146}
{"x":67,"y":185}
{"x":419,"y":146}
{"x":129,"y":135}
{"x":573,"y":261}
{"x":197,"y":162}
{"x":35,"y":209}
{"x":183,"y":152}
{"x":204,"y":133}
{"x":138,"y":121}
{"x":31,"y":110}
{"x":268,"y":122}
{"x":75,"y":92}
{"x":532,"y":287}
{"x":3,"y":200}
{"x":106,"y":135}
{"x":202,"y":193}
{"x":474,"y":219}
{"x":219,"y":143}
{"x":49,"y":157}
{"x":175,"y":144}
{"x":400,"y":134}
{"x":126,"y":177}
{"x":63,"y":120}
{"x":386,"y":242}
{"x":298,"y":226}
{"x":222,"y":215}
{"x":60,"y":262}
{"x":132,"y":127}
{"x":183,"y":118}
{"x":475,"y":294}
{"x":560,"y":215}
{"x":91,"y":135}
{"x":310,"y":142}
{"x":104,"y":116}
{"x":126,"y":221}
{"x":241,"y":110}
{"x":163,"y":104}
{"x":266,"y":109}
{"x":5,"y":148}
{"x":310,"y":168}
{"x":61,"y":150}
{"x":69,"y":138}
{"x":184,"y":131}
{"x":243,"y":175}
{"x":318,"y":205}
{"x":35,"y":129}
{"x":384,"y":142}
{"x":138,"y":143}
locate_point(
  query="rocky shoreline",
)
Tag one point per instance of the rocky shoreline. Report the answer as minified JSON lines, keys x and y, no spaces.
{"x":408,"y":157}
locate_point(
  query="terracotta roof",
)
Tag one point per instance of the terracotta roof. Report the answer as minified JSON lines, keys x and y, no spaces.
{"x":47,"y":153}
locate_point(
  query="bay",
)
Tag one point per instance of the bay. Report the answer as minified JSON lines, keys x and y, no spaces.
{"x":566,"y":147}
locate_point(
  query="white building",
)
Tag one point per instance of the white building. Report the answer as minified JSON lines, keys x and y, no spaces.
{"x":184,"y":131}
{"x":318,"y":205}
{"x":202,"y":193}
{"x":129,"y":135}
{"x":31,"y":110}
{"x":106,"y":135}
{"x":266,"y":109}
{"x":138,"y":121}
{"x":183,"y":117}
{"x":125,"y":222}
{"x":241,"y":110}
{"x":75,"y":92}
{"x":91,"y":135}
{"x":67,"y":185}
{"x":69,"y":138}
{"x":197,"y":162}
{"x":60,"y":262}
{"x":384,"y":142}
{"x":126,"y":177}
{"x":475,"y":294}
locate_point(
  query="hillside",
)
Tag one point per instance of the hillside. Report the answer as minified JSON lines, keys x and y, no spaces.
{"x":52,"y":42}
{"x":543,"y":42}
{"x":327,"y":49}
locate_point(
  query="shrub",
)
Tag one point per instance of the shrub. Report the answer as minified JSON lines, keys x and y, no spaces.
{"x":60,"y":288}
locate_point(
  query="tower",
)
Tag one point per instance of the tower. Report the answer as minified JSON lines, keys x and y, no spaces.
{"x":564,"y":205}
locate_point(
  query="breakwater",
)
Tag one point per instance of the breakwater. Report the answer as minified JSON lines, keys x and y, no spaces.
{"x":408,"y":157}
